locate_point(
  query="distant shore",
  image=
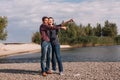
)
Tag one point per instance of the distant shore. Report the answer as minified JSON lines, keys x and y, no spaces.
{"x":8,"y":49}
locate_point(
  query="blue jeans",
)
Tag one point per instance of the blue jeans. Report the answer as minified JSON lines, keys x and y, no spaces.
{"x":56,"y":55}
{"x":45,"y":55}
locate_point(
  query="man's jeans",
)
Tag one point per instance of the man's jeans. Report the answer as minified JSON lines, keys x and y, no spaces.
{"x":45,"y":55}
{"x":56,"y":55}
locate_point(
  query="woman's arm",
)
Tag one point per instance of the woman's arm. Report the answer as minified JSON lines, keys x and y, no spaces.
{"x":71,"y":20}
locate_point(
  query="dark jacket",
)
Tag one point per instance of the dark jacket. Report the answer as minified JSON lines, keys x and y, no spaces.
{"x":45,"y":32}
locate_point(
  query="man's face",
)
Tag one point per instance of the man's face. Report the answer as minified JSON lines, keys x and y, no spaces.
{"x":45,"y":21}
{"x":50,"y":21}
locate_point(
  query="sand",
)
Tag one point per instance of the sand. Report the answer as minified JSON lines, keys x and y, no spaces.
{"x":21,"y":48}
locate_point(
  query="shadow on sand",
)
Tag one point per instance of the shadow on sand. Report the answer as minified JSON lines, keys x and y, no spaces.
{"x":18,"y":71}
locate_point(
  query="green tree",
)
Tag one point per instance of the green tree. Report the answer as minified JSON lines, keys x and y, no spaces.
{"x":109,"y":29}
{"x":88,"y":30}
{"x":113,"y":28}
{"x":3,"y":25}
{"x":86,"y":34}
{"x":69,"y":36}
{"x":36,"y":37}
{"x":82,"y":30}
{"x":98,"y":30}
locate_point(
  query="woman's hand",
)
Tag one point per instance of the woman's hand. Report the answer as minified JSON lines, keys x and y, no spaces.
{"x":64,"y":28}
{"x":71,"y":20}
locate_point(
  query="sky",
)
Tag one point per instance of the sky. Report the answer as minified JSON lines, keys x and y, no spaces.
{"x":24,"y":16}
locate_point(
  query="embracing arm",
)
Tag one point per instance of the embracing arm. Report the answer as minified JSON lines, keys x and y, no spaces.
{"x":46,"y":27}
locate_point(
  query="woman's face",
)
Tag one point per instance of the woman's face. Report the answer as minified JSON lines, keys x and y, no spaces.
{"x":50,"y":21}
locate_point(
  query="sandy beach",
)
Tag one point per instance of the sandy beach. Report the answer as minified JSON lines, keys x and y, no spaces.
{"x":9,"y":49}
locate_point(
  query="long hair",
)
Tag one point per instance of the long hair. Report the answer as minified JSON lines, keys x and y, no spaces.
{"x":52,"y":19}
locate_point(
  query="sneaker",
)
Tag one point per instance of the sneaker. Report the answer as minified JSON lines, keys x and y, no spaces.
{"x":44,"y":74}
{"x":53,"y":71}
{"x":61,"y":73}
{"x":49,"y":72}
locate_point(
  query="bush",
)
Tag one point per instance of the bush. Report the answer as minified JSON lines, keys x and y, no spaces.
{"x":36,"y":38}
{"x":81,"y":40}
{"x":117,"y":39}
{"x":105,"y":40}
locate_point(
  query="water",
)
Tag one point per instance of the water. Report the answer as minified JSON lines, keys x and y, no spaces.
{"x":91,"y":54}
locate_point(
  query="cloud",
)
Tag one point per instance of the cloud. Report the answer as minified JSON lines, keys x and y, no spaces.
{"x":25,"y":15}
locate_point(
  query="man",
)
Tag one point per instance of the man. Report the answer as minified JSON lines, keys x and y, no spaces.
{"x":45,"y":44}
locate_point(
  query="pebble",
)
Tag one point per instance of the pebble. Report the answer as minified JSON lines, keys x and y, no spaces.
{"x":72,"y":71}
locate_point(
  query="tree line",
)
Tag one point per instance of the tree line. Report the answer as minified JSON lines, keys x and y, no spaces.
{"x":76,"y":34}
{"x":80,"y":34}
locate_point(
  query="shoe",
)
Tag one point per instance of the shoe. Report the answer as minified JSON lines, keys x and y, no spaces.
{"x":61,"y":73}
{"x":44,"y":74}
{"x":49,"y":72}
{"x":53,"y":71}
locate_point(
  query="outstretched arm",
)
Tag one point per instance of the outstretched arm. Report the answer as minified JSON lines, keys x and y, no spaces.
{"x":71,"y":20}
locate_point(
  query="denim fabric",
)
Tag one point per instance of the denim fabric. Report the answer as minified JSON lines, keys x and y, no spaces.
{"x":56,"y":55}
{"x":45,"y":55}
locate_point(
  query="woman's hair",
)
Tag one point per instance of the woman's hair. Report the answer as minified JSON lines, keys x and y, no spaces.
{"x":52,"y":19}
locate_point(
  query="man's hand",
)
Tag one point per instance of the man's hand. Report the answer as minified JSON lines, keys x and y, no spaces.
{"x":64,"y":28}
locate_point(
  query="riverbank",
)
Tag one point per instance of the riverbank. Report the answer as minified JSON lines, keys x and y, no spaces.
{"x":8,"y":49}
{"x":72,"y":71}
{"x":91,"y":45}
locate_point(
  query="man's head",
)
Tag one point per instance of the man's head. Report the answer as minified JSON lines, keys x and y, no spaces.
{"x":45,"y":20}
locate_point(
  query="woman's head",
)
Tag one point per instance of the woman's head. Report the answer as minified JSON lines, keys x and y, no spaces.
{"x":50,"y":21}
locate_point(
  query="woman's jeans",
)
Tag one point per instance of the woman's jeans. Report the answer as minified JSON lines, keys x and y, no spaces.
{"x":56,"y":55}
{"x":45,"y":55}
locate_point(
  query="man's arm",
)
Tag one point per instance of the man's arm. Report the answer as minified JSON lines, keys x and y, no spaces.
{"x":54,"y":27}
{"x":61,"y":27}
{"x":47,"y":27}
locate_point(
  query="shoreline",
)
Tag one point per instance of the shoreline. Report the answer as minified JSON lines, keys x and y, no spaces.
{"x":9,"y":49}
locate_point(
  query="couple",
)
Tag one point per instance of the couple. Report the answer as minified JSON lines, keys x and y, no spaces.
{"x":49,"y":38}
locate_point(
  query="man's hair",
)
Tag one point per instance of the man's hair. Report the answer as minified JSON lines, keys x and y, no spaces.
{"x":43,"y":18}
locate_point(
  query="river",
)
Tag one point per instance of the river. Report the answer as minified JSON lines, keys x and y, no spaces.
{"x":84,"y":54}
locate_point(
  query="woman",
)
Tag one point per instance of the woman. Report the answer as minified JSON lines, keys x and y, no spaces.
{"x":56,"y":46}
